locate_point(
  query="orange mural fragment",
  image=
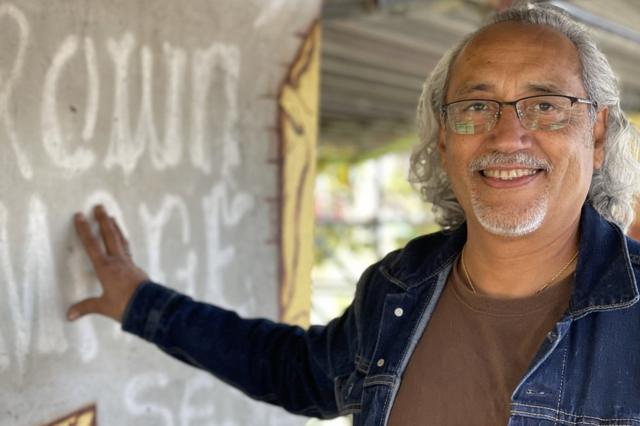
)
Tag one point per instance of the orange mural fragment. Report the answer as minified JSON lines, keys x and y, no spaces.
{"x":84,"y":417}
{"x":298,"y":127}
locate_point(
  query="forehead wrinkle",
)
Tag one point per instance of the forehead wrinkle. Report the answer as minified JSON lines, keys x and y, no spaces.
{"x":468,"y":88}
{"x":531,"y":88}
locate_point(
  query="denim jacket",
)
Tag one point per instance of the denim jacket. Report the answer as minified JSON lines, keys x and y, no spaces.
{"x":587,"y":371}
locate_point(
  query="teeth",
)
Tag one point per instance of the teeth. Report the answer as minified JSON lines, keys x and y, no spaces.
{"x":509,"y":174}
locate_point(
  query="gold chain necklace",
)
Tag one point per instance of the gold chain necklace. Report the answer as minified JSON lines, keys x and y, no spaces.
{"x":466,"y":273}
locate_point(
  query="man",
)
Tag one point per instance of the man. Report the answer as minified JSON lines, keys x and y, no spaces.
{"x":523,"y":310}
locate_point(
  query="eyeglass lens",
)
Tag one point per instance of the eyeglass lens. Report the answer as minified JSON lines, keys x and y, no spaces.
{"x":472,"y":117}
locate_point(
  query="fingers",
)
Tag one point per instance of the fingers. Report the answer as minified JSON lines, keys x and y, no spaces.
{"x":113,"y":240}
{"x":89,"y":241}
{"x":109,"y":232}
{"x":123,"y":240}
{"x":87,"y":306}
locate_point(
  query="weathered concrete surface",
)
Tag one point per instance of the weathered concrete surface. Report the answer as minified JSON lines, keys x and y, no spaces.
{"x":164,"y":111}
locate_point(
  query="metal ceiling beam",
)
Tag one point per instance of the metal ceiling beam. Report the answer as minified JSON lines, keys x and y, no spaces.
{"x":597,"y":21}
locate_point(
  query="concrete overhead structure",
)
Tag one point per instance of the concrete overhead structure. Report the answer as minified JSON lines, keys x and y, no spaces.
{"x":376,"y":55}
{"x":167,"y":113}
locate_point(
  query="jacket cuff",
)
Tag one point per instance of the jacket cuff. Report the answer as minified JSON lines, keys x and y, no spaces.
{"x":146,"y":307}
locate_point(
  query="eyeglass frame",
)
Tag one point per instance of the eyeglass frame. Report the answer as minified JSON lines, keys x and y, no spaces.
{"x":498,"y":114}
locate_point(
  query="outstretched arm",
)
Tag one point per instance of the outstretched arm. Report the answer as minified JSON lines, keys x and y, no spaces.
{"x":111,"y":258}
{"x":300,"y":370}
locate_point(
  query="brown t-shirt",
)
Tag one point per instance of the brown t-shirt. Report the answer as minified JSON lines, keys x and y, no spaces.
{"x":473,"y":353}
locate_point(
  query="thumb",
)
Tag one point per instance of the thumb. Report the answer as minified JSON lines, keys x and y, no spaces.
{"x":84,"y":307}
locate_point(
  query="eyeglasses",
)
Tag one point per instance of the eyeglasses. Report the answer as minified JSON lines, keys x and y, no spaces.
{"x":545,"y":112}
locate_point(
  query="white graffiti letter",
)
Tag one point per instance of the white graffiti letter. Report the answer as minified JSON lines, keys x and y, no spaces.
{"x":221,"y":212}
{"x":227,"y":58}
{"x":39,"y":280}
{"x":52,"y":137}
{"x":154,"y":227}
{"x":93,"y":96}
{"x":123,"y":151}
{"x":6,"y":86}
{"x":169,"y":153}
{"x":138,"y":385}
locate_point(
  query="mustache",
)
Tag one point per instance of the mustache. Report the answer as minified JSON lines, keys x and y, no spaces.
{"x":499,"y":159}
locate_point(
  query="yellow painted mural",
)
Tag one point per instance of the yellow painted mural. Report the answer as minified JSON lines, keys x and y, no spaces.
{"x":84,"y":417}
{"x":298,"y":127}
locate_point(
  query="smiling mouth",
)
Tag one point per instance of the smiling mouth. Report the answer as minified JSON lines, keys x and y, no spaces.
{"x":508,"y":174}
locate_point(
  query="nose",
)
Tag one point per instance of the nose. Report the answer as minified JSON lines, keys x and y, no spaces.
{"x":508,"y":135}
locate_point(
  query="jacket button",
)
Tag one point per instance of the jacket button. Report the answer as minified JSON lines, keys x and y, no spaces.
{"x":380,"y":362}
{"x":398,"y":312}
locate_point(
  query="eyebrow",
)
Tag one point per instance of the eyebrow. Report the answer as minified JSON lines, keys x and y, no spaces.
{"x":538,"y":87}
{"x":545,"y":88}
{"x":468,"y":88}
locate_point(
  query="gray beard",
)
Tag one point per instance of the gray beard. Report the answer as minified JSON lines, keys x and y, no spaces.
{"x":508,"y":222}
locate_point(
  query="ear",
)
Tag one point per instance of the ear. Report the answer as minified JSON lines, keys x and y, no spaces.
{"x":599,"y":136}
{"x":442,"y":145}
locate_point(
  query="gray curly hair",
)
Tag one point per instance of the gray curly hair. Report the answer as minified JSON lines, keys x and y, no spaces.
{"x":614,"y":187}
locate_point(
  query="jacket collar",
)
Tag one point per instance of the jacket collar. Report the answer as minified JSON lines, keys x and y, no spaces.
{"x":424,"y":257}
{"x":605,"y":278}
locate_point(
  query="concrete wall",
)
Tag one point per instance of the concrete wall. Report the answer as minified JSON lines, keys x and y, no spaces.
{"x":164,"y":111}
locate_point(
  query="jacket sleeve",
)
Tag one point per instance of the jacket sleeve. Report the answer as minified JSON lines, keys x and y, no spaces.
{"x":276,"y":363}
